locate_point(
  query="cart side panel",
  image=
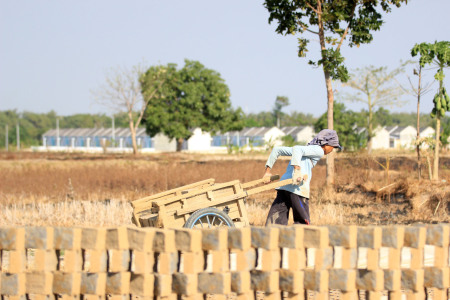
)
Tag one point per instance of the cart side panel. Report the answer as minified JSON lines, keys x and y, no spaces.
{"x":171,"y":193}
{"x":202,"y":200}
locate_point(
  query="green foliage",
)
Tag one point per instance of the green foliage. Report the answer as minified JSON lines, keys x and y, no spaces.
{"x":437,"y":54}
{"x":445,"y":132}
{"x":294,"y":118}
{"x":333,"y":21}
{"x":280,"y":102}
{"x":288,"y":141}
{"x":191,"y":97}
{"x":345,"y":122}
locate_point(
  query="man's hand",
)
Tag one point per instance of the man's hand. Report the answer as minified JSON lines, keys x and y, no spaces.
{"x":267,"y":175}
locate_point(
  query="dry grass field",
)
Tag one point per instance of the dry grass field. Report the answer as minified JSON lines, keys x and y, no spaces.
{"x":79,"y":189}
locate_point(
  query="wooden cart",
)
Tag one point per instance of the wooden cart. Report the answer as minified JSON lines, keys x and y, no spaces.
{"x":201,"y":204}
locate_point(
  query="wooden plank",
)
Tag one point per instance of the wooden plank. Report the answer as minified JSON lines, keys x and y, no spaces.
{"x":196,"y":192}
{"x":198,"y":184}
{"x":163,"y":219}
{"x":135,"y":220}
{"x":216,"y":202}
{"x":258,"y":181}
{"x":243,"y":211}
{"x":200,"y":200}
{"x":268,"y":187}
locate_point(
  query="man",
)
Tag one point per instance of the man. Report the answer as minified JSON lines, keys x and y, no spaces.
{"x":296,"y":195}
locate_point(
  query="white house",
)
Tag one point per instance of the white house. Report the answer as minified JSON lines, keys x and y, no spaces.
{"x":301,"y":134}
{"x":198,"y":142}
{"x":427,"y":132}
{"x":380,"y":140}
{"x":161,"y":143}
{"x":402,"y":137}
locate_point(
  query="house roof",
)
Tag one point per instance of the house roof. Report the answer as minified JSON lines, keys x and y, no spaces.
{"x":247,"y":132}
{"x":390,"y":129}
{"x":293,"y":130}
{"x":94,"y":132}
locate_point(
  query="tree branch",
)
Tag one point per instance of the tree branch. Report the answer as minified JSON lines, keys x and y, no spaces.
{"x":306,"y":28}
{"x":314,"y":9}
{"x":348,"y":26}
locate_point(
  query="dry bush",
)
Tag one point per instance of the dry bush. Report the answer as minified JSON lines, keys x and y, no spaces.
{"x":67,"y":213}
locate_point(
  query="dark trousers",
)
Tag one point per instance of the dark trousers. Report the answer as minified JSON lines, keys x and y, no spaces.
{"x":279,"y":211}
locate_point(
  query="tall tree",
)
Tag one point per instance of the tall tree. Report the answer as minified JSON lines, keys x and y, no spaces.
{"x":191,"y":97}
{"x":437,"y":54}
{"x":375,"y":87}
{"x":122,"y":93}
{"x":332,"y":21}
{"x":280,"y":102}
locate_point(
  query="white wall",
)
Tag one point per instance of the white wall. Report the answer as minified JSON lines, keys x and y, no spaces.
{"x":199,"y":141}
{"x":306,"y":135}
{"x":381,"y":139}
{"x":274,"y":135}
{"x":161,"y":143}
{"x":407,"y":137}
{"x":427,"y":132}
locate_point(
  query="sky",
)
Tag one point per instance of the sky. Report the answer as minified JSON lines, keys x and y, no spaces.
{"x":53,"y":54}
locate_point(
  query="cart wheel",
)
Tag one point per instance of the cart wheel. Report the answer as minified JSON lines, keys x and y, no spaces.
{"x":208,"y":218}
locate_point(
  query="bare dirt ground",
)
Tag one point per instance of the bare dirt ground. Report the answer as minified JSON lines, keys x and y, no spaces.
{"x":65,"y":189}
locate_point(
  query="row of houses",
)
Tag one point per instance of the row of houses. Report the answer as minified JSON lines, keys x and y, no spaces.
{"x":119,"y":139}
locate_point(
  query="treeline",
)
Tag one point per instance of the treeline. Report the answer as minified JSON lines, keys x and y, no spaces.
{"x":33,"y":125}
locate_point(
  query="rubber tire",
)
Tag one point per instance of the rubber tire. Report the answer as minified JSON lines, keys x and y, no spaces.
{"x":209,"y":211}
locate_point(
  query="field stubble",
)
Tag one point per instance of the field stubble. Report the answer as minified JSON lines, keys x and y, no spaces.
{"x":82,"y":190}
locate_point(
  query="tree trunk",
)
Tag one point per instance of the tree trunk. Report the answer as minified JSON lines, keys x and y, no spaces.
{"x":369,"y":129}
{"x":179,"y":144}
{"x":418,"y":125}
{"x":330,"y":122}
{"x":436,"y":149}
{"x":330,"y":157}
{"x":133,"y":137}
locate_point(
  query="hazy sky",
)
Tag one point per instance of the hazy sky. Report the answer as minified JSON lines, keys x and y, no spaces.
{"x":54,"y":53}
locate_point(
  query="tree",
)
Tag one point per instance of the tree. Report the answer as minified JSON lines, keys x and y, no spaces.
{"x":346,"y":123}
{"x":122,"y":93}
{"x":417,"y":92}
{"x":375,"y":87}
{"x":437,"y":54}
{"x":280,"y":102}
{"x":191,"y":97}
{"x":332,"y":21}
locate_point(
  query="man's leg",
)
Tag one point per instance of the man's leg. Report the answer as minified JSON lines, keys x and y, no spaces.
{"x":279,"y":211}
{"x":300,"y":209}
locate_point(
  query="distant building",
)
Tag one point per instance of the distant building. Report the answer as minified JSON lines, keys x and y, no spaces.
{"x":381,"y":137}
{"x":95,"y":138}
{"x":249,"y":137}
{"x":119,"y":140}
{"x":427,"y":132}
{"x":301,"y":134}
{"x":401,"y":136}
{"x":199,"y":141}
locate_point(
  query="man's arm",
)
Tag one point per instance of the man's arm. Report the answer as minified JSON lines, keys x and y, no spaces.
{"x":312,"y":151}
{"x":276,"y":152}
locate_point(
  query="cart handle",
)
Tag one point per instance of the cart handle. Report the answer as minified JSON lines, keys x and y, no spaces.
{"x":268,"y":187}
{"x":258,"y":181}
